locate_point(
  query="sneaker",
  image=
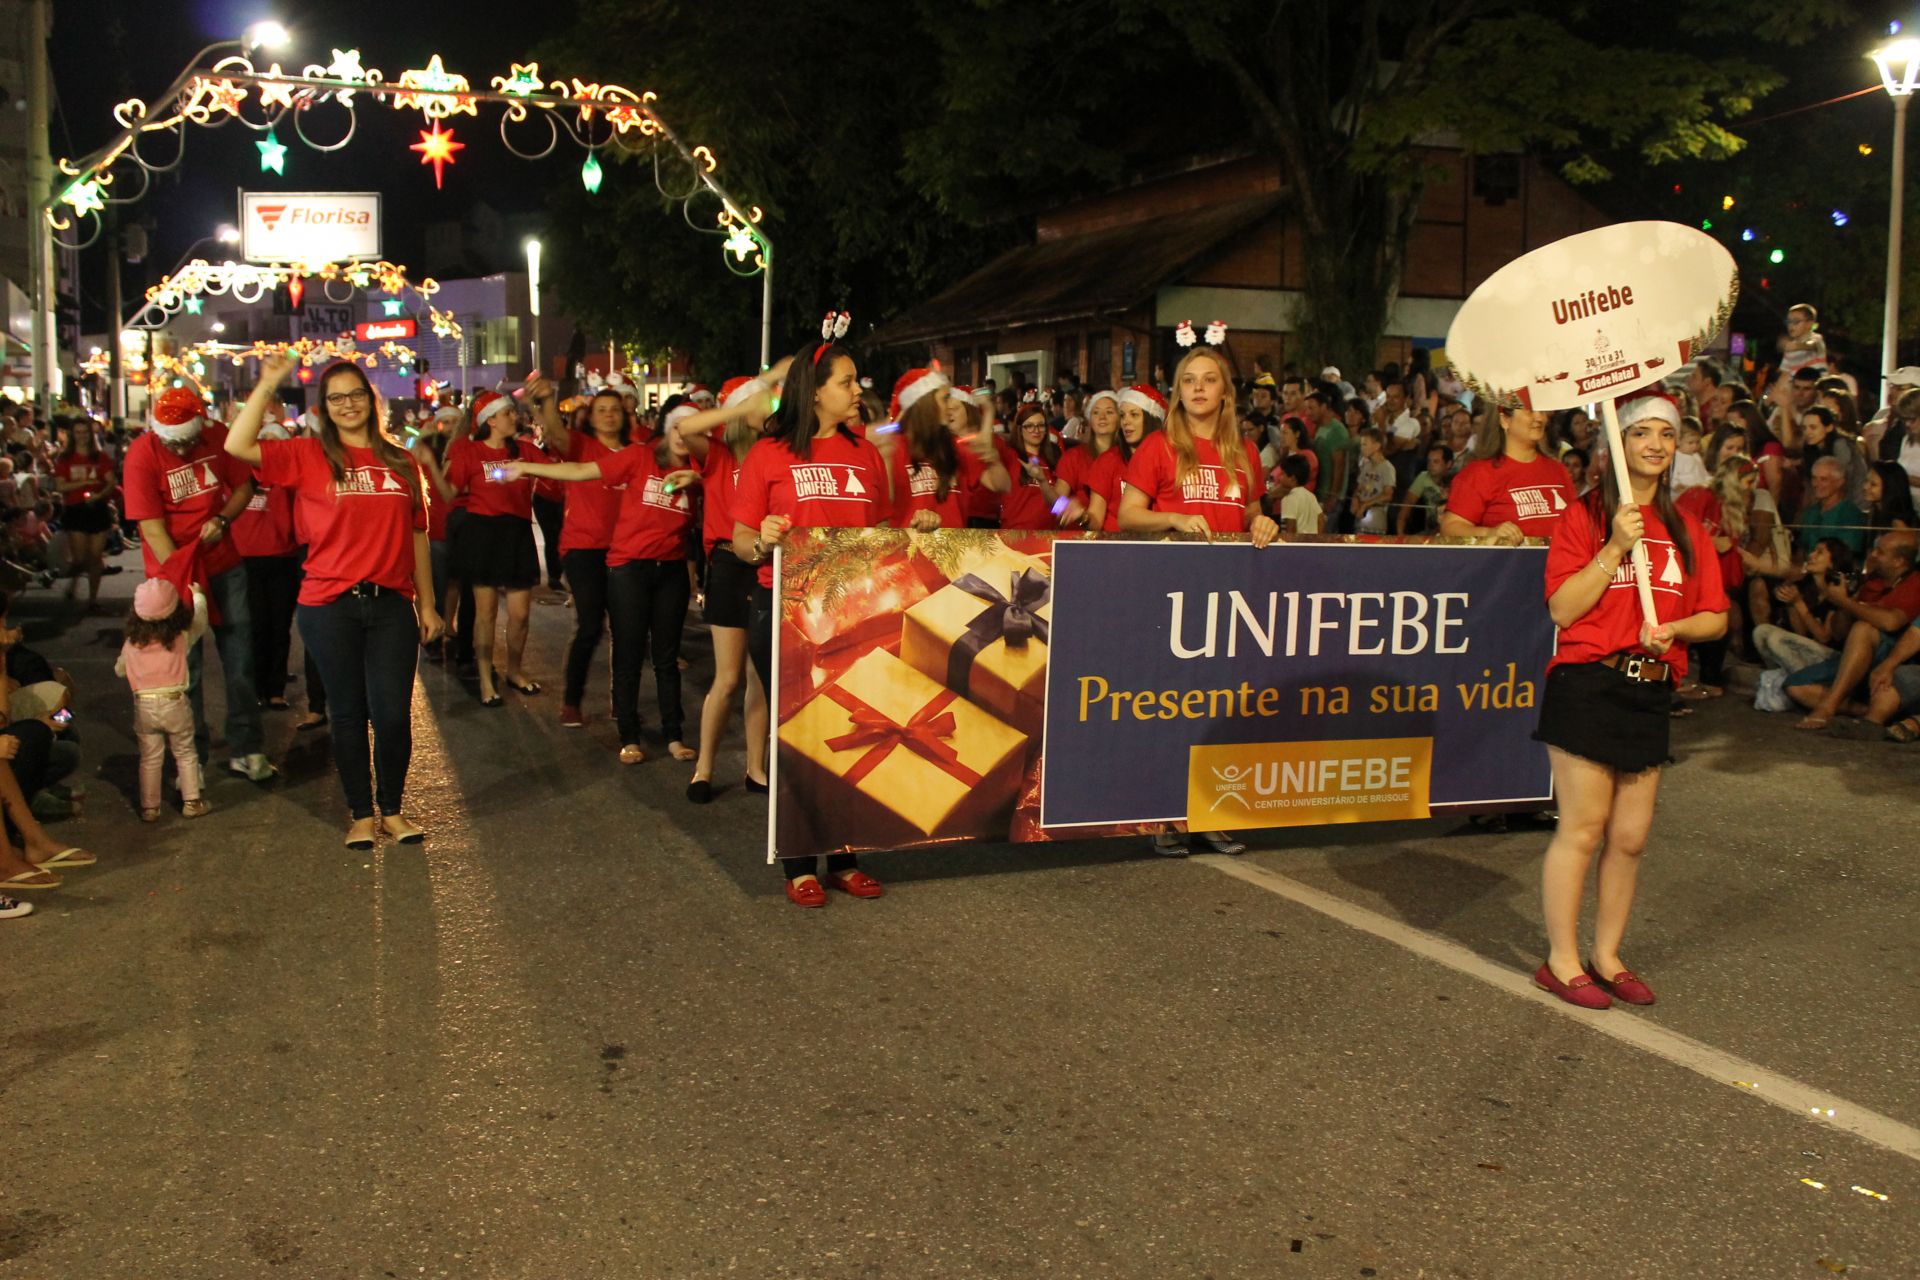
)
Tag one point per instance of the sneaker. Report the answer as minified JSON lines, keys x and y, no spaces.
{"x":195,"y":809}
{"x":48,"y":807}
{"x":254,"y":768}
{"x":12,"y":907}
{"x":1170,"y":844}
{"x":570,"y":717}
{"x":1771,"y":693}
{"x":1220,"y":841}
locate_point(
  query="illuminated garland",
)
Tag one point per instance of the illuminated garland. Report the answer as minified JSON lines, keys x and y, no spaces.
{"x":595,"y":116}
{"x":247,"y":282}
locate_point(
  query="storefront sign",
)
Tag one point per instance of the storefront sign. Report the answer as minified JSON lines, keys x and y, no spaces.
{"x":311,"y":227}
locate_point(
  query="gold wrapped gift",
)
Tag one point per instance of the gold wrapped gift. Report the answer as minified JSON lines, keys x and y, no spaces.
{"x":984,"y":636}
{"x":884,"y":756}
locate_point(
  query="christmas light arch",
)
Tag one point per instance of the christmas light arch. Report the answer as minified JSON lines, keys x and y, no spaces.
{"x":599,"y":118}
{"x":247,"y":282}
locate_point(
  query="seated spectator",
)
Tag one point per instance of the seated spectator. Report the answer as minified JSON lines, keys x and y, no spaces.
{"x":1799,"y":632}
{"x":1866,"y":625}
{"x":1901,"y":441}
{"x":1828,"y":511}
{"x":28,"y":764}
{"x":1293,"y":503}
{"x":1426,"y":497}
{"x":1893,"y":689}
{"x":1889,"y":503}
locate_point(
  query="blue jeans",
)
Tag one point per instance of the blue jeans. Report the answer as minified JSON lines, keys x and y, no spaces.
{"x":366,"y":648}
{"x":233,"y":637}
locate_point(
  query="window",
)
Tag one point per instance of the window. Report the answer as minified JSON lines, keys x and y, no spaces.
{"x":497,"y":341}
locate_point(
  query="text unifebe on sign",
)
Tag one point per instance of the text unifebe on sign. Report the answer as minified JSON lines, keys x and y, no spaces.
{"x":311,"y":227}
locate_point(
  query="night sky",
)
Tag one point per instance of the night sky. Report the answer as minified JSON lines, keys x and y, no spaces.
{"x":105,"y":51}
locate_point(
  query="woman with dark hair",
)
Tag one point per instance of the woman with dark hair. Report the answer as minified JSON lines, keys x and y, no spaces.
{"x":1030,"y":498}
{"x":1515,"y":487}
{"x":586,"y":530}
{"x":808,"y":470}
{"x":1767,"y":452}
{"x":1889,"y":502}
{"x":1605,"y":713}
{"x":84,"y":472}
{"x":366,"y":603}
{"x":1142,"y":410}
{"x":936,"y":473}
{"x":1821,"y":437}
{"x":493,"y":549}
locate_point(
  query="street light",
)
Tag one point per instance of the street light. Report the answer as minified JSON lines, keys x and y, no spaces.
{"x":533,"y":293}
{"x":227,"y":233}
{"x":1899,"y":65}
{"x":265,"y":35}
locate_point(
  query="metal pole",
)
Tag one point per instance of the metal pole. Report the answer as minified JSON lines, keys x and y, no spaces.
{"x":116,"y":359}
{"x":40,"y":198}
{"x":1890,"y":333}
{"x":766,"y":306}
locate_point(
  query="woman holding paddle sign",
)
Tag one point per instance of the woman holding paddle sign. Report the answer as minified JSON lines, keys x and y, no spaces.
{"x":1604,"y":714}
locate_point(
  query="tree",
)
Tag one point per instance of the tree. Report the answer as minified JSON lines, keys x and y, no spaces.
{"x":1343,"y":93}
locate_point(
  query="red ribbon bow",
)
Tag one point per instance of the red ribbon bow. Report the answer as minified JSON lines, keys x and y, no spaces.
{"x":922,"y":735}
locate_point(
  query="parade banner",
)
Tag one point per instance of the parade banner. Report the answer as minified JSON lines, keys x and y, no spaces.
{"x":981,"y":685}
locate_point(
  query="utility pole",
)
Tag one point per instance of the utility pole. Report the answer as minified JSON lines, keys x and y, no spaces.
{"x":39,"y":198}
{"x":116,"y":372}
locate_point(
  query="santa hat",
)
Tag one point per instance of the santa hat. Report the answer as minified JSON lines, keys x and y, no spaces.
{"x":486,"y":404}
{"x":155,"y":600}
{"x":734,"y":390}
{"x":1648,"y":404}
{"x":178,"y":414}
{"x":700,"y":396}
{"x":1098,"y":396}
{"x":914,"y":386}
{"x":1145,"y":399}
{"x":678,"y":414}
{"x":274,"y":429}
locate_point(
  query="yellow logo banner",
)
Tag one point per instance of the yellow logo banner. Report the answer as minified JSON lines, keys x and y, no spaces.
{"x":1295,"y":784}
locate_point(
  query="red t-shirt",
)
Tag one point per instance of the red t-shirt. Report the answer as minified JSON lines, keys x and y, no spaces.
{"x":184,"y":490}
{"x":1904,"y":595}
{"x":652,"y":524}
{"x":983,"y":503}
{"x":719,"y":473}
{"x":359,"y":530}
{"x":921,"y":486}
{"x":1613,"y":625}
{"x":592,"y":505}
{"x":842,"y":485}
{"x":1490,"y":492}
{"x":467,"y":470}
{"x":1029,"y":504}
{"x":96,"y":469}
{"x":1208,"y":492}
{"x":1106,"y":477}
{"x":265,"y":528}
{"x":1075,"y":466}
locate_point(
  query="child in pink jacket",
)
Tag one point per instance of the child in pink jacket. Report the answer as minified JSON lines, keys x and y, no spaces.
{"x":159,"y":632}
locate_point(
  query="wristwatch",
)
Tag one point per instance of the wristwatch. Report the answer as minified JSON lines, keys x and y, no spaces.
{"x":759,"y":551}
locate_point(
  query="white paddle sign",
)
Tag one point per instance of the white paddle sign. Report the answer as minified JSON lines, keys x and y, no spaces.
{"x":1593,"y":317}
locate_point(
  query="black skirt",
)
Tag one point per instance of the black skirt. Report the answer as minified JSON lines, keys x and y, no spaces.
{"x":493,"y":551}
{"x":95,"y":516}
{"x":730,"y":582}
{"x":1602,"y":715}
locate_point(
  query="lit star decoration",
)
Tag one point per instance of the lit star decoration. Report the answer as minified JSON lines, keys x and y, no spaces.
{"x":740,"y":242}
{"x":440,"y":83}
{"x":84,"y":197}
{"x":346,"y":66}
{"x":227,"y":96}
{"x":524,"y":80}
{"x":273,"y":154}
{"x":276,"y":95}
{"x":394,"y":307}
{"x":591,"y":174}
{"x":195,"y":306}
{"x":436,"y":147}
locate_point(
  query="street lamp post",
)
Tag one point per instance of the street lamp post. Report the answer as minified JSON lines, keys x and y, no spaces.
{"x":1899,"y":66}
{"x":225,"y":233}
{"x":533,"y":296}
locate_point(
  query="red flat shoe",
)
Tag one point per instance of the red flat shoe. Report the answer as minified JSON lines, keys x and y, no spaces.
{"x":806,"y":893}
{"x":858,"y":883}
{"x":1580,"y":991}
{"x":1623,"y":986}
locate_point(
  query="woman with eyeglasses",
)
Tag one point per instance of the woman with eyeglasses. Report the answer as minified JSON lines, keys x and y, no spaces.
{"x":366,"y":603}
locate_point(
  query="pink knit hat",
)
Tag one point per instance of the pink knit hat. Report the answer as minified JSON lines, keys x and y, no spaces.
{"x":155,"y":600}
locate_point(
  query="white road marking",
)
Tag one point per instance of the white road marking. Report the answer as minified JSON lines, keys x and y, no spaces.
{"x":1804,"y":1100}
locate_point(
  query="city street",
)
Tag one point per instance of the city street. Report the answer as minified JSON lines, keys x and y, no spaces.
{"x":584,"y":1034}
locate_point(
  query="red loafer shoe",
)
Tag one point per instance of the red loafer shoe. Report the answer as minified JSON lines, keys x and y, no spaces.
{"x":1623,"y":986}
{"x":1580,"y":991}
{"x":806,"y":893}
{"x":858,"y":883}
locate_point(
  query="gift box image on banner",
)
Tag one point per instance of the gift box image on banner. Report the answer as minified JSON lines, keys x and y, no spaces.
{"x":985,"y":637}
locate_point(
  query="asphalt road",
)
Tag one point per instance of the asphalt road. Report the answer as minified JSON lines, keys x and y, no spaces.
{"x":584,"y":1034}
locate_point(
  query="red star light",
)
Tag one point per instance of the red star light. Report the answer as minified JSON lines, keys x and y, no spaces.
{"x":436,"y":147}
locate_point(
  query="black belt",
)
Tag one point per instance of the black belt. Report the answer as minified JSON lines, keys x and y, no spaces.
{"x":369,"y":590}
{"x":1638,"y":666}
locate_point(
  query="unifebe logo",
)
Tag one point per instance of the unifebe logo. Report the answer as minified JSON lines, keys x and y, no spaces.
{"x":1286,"y":784}
{"x":271,"y":214}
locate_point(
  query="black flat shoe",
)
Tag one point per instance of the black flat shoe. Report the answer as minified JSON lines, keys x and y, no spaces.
{"x":758,"y":788}
{"x":700,"y":791}
{"x":495,"y":701}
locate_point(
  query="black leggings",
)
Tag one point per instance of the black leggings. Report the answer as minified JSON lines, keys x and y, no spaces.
{"x":647,"y":600}
{"x":760,"y":651}
{"x":273,"y":584}
{"x":587,"y":577}
{"x":368,"y":647}
{"x":550,"y":515}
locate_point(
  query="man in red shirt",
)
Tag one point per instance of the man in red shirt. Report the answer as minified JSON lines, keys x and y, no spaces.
{"x":181,"y":487}
{"x":1887,"y":604}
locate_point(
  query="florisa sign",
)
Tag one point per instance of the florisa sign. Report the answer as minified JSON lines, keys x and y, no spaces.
{"x":309,"y":227}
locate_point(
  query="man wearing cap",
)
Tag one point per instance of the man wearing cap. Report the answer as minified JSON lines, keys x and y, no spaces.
{"x":185,"y":491}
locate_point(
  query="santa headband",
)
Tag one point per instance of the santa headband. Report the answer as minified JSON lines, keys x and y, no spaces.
{"x":1145,"y":399}
{"x":1098,"y":396}
{"x":1216,"y":334}
{"x":1649,"y":405}
{"x":832,"y":329}
{"x":734,"y":390}
{"x":914,"y":386}
{"x":486,"y":404}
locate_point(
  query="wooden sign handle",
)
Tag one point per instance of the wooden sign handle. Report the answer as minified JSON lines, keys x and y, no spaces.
{"x":1623,"y":482}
